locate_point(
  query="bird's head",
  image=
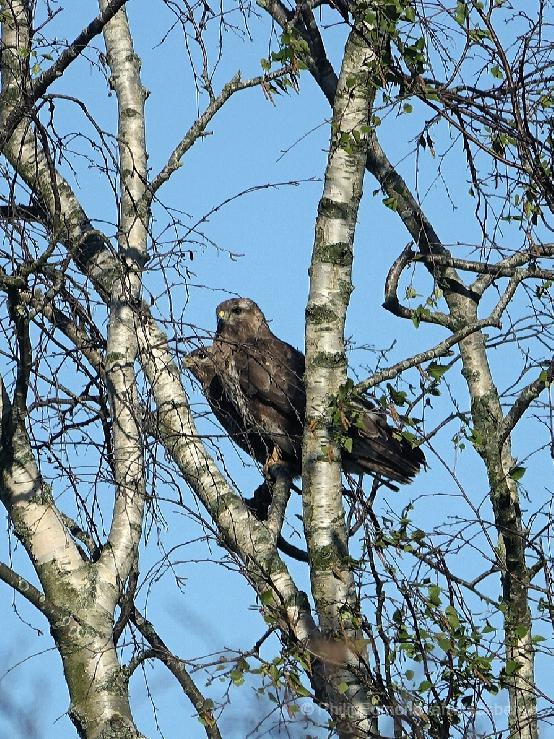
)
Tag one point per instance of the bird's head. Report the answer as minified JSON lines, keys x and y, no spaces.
{"x":239,"y":319}
{"x":201,"y":363}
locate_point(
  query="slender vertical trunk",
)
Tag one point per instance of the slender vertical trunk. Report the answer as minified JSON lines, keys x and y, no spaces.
{"x":84,"y":595}
{"x":512,"y":535}
{"x":330,"y":288}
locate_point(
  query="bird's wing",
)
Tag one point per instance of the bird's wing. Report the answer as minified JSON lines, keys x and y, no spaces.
{"x":272,"y":372}
{"x":378,"y":447}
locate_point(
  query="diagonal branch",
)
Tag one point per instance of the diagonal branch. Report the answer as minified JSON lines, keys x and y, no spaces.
{"x":177,"y":667}
{"x":199,"y":126}
{"x":529,"y":393}
{"x":43,"y":82}
{"x":440,"y":350}
{"x":30,"y":593}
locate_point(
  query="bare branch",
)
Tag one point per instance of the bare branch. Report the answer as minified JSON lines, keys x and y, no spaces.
{"x":529,"y":393}
{"x":177,"y":667}
{"x":43,"y":82}
{"x":199,"y":126}
{"x":30,"y":593}
{"x":440,"y":350}
{"x":392,"y":303}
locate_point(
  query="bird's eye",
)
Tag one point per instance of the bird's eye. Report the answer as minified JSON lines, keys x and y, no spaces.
{"x":201,"y":354}
{"x":236,"y":310}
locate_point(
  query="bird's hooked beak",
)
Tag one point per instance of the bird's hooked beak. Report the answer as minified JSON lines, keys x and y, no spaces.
{"x":222,"y":316}
{"x":188,"y":361}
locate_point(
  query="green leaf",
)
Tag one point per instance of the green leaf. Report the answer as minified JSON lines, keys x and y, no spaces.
{"x":424,"y":686}
{"x":437,"y":370}
{"x":444,"y":643}
{"x":476,"y":438}
{"x":517,"y":472}
{"x":419,"y":313}
{"x":409,"y":674}
{"x":266,"y":597}
{"x":543,"y":377}
{"x":346,"y":443}
{"x":412,"y":439}
{"x":237,"y":677}
{"x":370,"y":19}
{"x":512,"y":666}
{"x":434,"y":595}
{"x":497,"y":72}
{"x":398,"y":617}
{"x":409,"y":13}
{"x":391,"y":203}
{"x":398,"y":397}
{"x":452,"y":617}
{"x":342,"y":687}
{"x":407,"y":108}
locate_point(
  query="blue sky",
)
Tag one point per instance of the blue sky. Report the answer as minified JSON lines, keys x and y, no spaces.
{"x":272,"y":230}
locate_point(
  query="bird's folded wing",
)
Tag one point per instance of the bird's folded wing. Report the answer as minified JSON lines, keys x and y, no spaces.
{"x":272,"y":372}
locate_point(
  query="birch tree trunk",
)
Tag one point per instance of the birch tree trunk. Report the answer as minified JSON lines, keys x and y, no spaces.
{"x":488,"y":418}
{"x":79,"y":597}
{"x":330,"y":287}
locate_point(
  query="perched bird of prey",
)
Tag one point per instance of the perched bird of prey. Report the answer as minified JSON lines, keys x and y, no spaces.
{"x":204,"y":365}
{"x":254,"y":383}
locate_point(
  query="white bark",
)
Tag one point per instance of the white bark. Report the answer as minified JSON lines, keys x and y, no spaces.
{"x":488,"y":419}
{"x":118,"y":558}
{"x":85,"y":594}
{"x":330,"y":287}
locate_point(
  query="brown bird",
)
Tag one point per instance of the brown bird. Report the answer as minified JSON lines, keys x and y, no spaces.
{"x":254,"y":383}
{"x":204,"y":363}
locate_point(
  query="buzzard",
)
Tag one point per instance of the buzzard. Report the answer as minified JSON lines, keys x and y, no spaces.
{"x":204,"y":363}
{"x":254,"y":383}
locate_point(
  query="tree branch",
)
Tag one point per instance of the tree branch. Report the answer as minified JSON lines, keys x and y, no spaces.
{"x":281,"y":493}
{"x":30,"y":593}
{"x":524,"y":400}
{"x":120,"y":556}
{"x":199,"y":126}
{"x":177,"y":667}
{"x":43,"y":82}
